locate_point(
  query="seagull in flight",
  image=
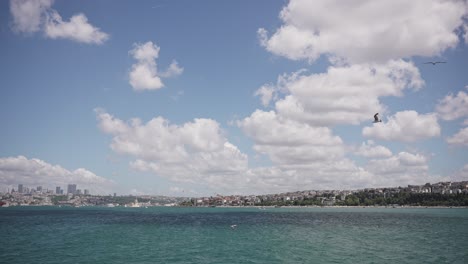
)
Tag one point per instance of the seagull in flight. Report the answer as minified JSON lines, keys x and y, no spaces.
{"x":376,"y":118}
{"x":434,"y":62}
{"x":233,"y":226}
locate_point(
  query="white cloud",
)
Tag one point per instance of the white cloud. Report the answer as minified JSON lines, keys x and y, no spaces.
{"x":346,"y":95}
{"x":288,"y":142}
{"x":303,"y":156}
{"x":460,"y":138}
{"x":453,"y":107}
{"x":270,"y":92}
{"x":35,"y":172}
{"x":406,"y":126}
{"x":37,"y":15}
{"x":329,"y":175}
{"x":198,"y":152}
{"x":173,"y":70}
{"x":193,"y":152}
{"x":465,"y":36}
{"x":370,"y":150}
{"x":401,"y":169}
{"x":266,"y":94}
{"x":365,"y":30}
{"x":28,"y":15}
{"x":309,"y":157}
{"x":77,"y":29}
{"x":144,"y":74}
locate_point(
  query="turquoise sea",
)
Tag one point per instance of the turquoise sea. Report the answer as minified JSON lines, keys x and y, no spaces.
{"x":204,"y":235}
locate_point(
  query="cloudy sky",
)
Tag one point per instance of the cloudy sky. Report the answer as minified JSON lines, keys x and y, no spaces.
{"x":192,"y":98}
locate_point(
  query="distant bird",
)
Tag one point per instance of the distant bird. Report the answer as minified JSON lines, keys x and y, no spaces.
{"x":376,"y":118}
{"x":434,"y":62}
{"x":233,"y":226}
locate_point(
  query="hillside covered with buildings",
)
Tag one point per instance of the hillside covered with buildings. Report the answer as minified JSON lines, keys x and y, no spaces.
{"x":437,"y":194}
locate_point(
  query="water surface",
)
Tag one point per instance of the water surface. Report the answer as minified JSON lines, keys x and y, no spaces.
{"x":204,"y":235}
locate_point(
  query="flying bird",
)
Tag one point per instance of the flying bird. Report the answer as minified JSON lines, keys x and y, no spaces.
{"x":376,"y":118}
{"x":434,"y":62}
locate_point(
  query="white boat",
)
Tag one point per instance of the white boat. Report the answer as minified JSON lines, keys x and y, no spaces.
{"x":135,"y":204}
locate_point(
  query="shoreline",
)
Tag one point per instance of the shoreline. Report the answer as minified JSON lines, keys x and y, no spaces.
{"x":258,"y":206}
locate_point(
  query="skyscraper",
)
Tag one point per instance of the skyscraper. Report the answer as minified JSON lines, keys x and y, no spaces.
{"x":71,"y":189}
{"x":20,"y":188}
{"x":57,"y":190}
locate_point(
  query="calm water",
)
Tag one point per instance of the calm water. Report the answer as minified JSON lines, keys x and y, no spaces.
{"x":203,"y":235}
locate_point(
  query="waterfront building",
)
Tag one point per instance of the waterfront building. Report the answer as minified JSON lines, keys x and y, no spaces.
{"x":71,"y":189}
{"x":39,"y":189}
{"x":20,"y":188}
{"x":57,"y":190}
{"x":86,"y":191}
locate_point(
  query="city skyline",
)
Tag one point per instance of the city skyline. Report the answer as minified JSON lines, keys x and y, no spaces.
{"x":71,"y":189}
{"x":196,"y":98}
{"x":461,"y":187}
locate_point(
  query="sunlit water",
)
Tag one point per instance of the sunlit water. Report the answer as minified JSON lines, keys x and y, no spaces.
{"x":204,"y":235}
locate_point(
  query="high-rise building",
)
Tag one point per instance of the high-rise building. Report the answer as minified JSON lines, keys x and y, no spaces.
{"x":86,"y":191}
{"x":71,"y":189}
{"x":20,"y":188}
{"x":39,"y":189}
{"x":57,"y":190}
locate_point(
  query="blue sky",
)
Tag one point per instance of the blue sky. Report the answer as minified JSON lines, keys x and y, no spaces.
{"x":196,"y":98}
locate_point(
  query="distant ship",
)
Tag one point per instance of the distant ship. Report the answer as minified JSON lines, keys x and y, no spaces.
{"x":135,"y":204}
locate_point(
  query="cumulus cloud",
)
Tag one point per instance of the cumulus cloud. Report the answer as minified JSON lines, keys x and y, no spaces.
{"x":28,"y":15}
{"x":305,"y":156}
{"x":173,"y":70}
{"x":198,"y":152}
{"x":365,"y":30}
{"x":302,"y":156}
{"x":453,"y":107}
{"x":308,"y":157}
{"x":346,"y":95}
{"x":460,"y":138}
{"x":465,"y":36}
{"x":330,"y":175}
{"x":266,"y":94}
{"x":311,"y":157}
{"x":288,"y":142}
{"x":271,"y":92}
{"x":192,"y":152}
{"x":406,"y":126}
{"x":37,"y":15}
{"x":297,"y":138}
{"x":370,"y":150}
{"x":77,"y":29}
{"x":403,"y":168}
{"x":35,"y":172}
{"x":144,"y":74}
